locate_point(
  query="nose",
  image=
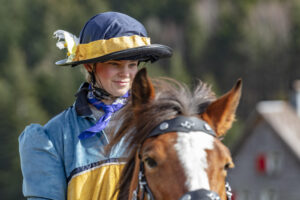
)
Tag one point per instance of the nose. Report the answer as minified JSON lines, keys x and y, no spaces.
{"x":124,"y":70}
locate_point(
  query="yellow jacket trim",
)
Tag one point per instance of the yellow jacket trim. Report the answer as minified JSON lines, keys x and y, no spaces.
{"x":96,"y":184}
{"x":100,"y":48}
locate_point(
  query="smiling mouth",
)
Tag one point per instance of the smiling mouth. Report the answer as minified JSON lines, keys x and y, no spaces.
{"x":122,"y":83}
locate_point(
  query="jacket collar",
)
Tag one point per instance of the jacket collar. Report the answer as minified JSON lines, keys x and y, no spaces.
{"x":81,"y":104}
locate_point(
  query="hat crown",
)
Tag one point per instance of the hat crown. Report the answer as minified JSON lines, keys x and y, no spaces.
{"x":110,"y":25}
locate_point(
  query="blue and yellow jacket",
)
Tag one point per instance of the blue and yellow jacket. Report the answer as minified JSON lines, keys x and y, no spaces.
{"x":57,"y":165}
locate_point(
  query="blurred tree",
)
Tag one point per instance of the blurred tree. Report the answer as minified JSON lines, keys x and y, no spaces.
{"x":165,"y":10}
{"x":21,"y":107}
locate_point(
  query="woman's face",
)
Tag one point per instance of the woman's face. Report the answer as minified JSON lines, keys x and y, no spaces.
{"x":115,"y":76}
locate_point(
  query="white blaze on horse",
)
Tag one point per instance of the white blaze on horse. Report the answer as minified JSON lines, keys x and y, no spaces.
{"x":173,"y":138}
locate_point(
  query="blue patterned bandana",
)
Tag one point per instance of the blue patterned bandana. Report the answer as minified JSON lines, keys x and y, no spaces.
{"x":109,"y":110}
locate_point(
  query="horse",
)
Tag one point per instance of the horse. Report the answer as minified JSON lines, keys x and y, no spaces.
{"x":173,"y":138}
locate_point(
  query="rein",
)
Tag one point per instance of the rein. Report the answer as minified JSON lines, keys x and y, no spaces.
{"x":186,"y":125}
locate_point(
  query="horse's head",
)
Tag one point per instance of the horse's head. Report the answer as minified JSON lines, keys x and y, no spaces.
{"x":175,"y":135}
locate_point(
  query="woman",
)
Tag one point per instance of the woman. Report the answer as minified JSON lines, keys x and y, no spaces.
{"x":65,"y":158}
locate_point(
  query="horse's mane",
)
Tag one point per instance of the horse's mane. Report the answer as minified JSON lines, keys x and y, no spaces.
{"x":171,"y":99}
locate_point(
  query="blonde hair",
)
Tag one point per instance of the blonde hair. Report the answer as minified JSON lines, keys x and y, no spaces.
{"x":87,"y":74}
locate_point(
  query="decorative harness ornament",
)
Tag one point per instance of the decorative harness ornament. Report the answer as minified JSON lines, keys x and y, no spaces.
{"x":179,"y":124}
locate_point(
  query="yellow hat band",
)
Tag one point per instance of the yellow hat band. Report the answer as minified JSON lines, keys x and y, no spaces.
{"x":100,"y":48}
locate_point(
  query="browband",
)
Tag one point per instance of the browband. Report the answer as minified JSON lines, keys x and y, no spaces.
{"x":182,"y":124}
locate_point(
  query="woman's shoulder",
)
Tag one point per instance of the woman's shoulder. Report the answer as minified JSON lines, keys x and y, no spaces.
{"x":31,"y":132}
{"x":54,"y":126}
{"x":51,"y":136}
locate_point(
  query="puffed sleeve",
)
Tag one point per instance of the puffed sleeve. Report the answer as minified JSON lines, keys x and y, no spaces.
{"x":42,"y":167}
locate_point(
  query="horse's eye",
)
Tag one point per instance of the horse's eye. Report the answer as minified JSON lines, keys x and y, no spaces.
{"x":227,"y":166}
{"x":150,"y":162}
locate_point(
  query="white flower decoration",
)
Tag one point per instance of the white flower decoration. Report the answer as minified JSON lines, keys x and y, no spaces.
{"x":67,"y":40}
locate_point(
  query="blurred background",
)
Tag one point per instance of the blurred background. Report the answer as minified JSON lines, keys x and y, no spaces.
{"x":216,"y":41}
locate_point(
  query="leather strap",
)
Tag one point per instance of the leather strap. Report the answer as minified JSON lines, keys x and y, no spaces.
{"x":182,"y":124}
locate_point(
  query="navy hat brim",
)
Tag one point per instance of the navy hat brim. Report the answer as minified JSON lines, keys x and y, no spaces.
{"x":146,"y":53}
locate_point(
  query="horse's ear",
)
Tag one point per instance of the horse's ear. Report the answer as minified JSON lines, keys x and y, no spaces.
{"x":142,"y":89}
{"x":220,"y":114}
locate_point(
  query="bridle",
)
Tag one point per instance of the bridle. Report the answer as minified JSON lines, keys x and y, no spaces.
{"x":186,"y":125}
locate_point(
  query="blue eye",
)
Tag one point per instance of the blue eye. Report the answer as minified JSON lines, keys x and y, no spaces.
{"x":131,"y":65}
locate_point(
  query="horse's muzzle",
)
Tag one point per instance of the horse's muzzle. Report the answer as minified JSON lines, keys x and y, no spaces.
{"x":200,"y":194}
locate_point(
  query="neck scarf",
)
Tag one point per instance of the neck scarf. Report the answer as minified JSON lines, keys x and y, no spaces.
{"x":109,"y":110}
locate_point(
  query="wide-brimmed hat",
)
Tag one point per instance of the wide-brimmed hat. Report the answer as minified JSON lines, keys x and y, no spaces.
{"x":110,"y":36}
